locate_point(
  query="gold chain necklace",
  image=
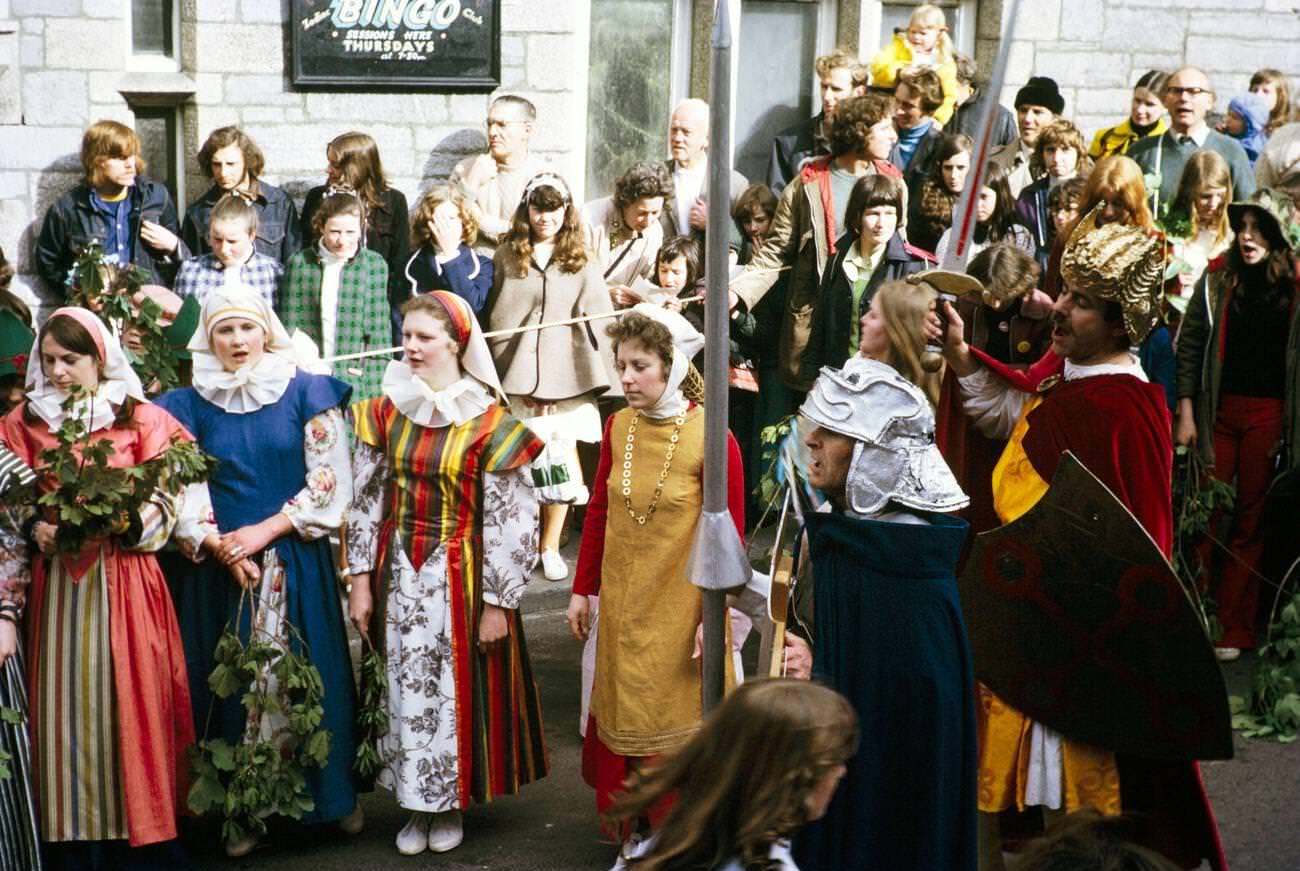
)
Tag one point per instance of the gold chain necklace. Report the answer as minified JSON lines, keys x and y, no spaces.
{"x":641,"y":519}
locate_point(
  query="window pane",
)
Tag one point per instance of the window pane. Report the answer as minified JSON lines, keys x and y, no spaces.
{"x":156,"y":127}
{"x":778,"y":43}
{"x":630,"y":88}
{"x":151,"y":27}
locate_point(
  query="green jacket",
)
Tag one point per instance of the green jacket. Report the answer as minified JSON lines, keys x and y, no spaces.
{"x":363,"y":317}
{"x":1200,"y":366}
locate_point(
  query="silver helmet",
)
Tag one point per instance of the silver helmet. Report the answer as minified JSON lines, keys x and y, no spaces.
{"x":890,"y":418}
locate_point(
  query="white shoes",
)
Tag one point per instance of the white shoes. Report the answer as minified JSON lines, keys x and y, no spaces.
{"x":446,"y":831}
{"x":553,"y":566}
{"x":1227,"y":654}
{"x":413,"y":839}
{"x":426,"y":831}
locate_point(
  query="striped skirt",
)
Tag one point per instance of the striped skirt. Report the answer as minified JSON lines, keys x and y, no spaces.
{"x":79,"y":783}
{"x":19,"y":842}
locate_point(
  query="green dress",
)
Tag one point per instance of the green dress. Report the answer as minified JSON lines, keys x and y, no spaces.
{"x":362,"y":323}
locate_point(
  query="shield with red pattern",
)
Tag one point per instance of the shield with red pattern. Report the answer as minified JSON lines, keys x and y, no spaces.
{"x":1077,"y":619}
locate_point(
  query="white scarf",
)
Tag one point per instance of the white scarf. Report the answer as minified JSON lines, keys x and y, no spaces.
{"x":97,"y":411}
{"x":687,"y":342}
{"x":461,"y":401}
{"x":332,"y":265}
{"x":247,"y":389}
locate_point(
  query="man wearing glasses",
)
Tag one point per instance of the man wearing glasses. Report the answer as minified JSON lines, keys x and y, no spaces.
{"x":493,"y":183}
{"x":1188,"y":97}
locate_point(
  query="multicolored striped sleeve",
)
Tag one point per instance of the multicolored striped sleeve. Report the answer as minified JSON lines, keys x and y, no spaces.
{"x":370,"y":421}
{"x":512,"y":445}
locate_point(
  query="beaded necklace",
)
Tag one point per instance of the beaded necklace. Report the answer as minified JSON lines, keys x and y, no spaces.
{"x":641,"y":519}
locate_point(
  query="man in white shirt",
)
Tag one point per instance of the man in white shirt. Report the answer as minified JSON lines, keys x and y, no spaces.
{"x":688,"y":142}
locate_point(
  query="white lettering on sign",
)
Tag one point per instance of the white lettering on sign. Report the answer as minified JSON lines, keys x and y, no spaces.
{"x":391,"y":14}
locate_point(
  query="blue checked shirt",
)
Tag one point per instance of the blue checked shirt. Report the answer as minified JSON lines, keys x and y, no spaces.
{"x":199,"y":276}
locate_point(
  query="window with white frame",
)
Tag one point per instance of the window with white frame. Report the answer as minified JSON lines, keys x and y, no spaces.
{"x":154,"y":31}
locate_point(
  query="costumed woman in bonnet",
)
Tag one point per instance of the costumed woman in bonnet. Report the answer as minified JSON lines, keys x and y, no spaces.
{"x":442,"y":539}
{"x":647,"y":499}
{"x":115,"y":799}
{"x":282,"y":483}
{"x":879,"y":610}
{"x":544,"y":273}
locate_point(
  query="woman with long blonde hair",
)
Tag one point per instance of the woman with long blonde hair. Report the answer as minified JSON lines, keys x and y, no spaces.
{"x":1198,"y":216}
{"x":893,"y":332}
{"x":764,"y":764}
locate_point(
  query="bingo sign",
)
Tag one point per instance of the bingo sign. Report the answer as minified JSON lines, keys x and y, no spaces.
{"x":397,"y":44}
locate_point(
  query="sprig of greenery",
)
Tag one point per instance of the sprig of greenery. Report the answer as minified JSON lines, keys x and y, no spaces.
{"x":1272,"y":710}
{"x":10,"y":717}
{"x":93,"y":499}
{"x":372,"y":714}
{"x":771,"y":485}
{"x":1197,"y":497}
{"x":107,"y":287}
{"x":254,"y":779}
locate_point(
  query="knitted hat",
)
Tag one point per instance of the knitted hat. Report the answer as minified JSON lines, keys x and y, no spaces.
{"x":1041,"y":91}
{"x":1273,"y":209}
{"x":1118,"y":263}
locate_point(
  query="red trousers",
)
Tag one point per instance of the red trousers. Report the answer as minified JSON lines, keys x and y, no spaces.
{"x":1246,"y":431}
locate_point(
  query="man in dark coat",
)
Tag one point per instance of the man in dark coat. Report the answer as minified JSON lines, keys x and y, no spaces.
{"x":971,"y":102}
{"x":841,"y":75}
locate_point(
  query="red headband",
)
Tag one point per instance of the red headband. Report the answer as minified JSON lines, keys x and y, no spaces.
{"x":90,"y":322}
{"x":462,"y":317}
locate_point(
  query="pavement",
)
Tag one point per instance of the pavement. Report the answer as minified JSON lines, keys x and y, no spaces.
{"x":552,"y":823}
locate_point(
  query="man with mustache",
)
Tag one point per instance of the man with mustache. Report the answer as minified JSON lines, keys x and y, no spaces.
{"x":1088,"y":396}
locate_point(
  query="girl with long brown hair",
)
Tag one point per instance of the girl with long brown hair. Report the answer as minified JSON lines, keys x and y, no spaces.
{"x":544,"y":273}
{"x":353,"y":166}
{"x":1273,"y":86}
{"x":764,"y":764}
{"x":1197,"y":224}
{"x":933,"y":206}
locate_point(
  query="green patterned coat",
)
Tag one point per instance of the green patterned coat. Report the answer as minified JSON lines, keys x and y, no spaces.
{"x":363,"y":322}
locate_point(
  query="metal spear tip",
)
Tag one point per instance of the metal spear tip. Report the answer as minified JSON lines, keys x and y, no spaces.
{"x":722,"y":25}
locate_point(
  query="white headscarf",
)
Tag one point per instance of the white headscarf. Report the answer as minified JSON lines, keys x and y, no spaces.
{"x":117,"y":382}
{"x":687,"y":342}
{"x":465,"y":399}
{"x":253,"y":385}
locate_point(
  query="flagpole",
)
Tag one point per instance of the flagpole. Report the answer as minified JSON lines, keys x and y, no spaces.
{"x":716,"y":323}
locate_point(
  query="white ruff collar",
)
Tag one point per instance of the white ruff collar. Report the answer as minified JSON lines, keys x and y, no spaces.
{"x":248,"y":388}
{"x":1075,"y":371}
{"x":96,"y":411}
{"x":456,"y":403}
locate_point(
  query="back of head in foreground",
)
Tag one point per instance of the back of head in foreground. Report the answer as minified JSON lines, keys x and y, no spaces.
{"x":1088,"y":841}
{"x":748,"y":778}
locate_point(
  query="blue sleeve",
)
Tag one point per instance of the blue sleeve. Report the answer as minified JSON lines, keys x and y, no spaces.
{"x":469,"y":276}
{"x":178,"y":403}
{"x":317,"y":393}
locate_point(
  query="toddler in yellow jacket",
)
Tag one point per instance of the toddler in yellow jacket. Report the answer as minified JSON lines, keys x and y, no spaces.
{"x":926,"y":43}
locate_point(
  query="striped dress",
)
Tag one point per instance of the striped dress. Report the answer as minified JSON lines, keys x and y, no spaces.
{"x":445,"y":519}
{"x":110,"y":707}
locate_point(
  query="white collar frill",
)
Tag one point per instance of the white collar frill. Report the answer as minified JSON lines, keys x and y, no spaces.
{"x":458,"y":402}
{"x":249,"y":388}
{"x":97,"y":411}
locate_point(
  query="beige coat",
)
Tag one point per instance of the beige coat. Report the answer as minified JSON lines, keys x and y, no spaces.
{"x":1016,"y":162}
{"x":635,"y":256}
{"x":557,"y":362}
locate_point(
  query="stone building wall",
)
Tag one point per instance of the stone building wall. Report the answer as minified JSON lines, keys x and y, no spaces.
{"x":1097,"y":49}
{"x":62,"y":67}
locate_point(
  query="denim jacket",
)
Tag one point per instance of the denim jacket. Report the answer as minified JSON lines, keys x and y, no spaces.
{"x":277,"y":222}
{"x":73,"y":222}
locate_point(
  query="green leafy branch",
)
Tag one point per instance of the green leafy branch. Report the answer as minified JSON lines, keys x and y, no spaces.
{"x":9,"y":717}
{"x":372,"y":713}
{"x":254,"y":779}
{"x":93,"y":499}
{"x":107,"y":287}
{"x":1272,"y":710}
{"x":1198,"y":497}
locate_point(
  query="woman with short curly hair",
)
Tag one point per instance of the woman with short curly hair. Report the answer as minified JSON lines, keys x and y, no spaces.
{"x":647,"y":499}
{"x":623,"y":231}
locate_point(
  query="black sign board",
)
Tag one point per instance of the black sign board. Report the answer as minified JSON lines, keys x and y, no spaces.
{"x":397,"y":44}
